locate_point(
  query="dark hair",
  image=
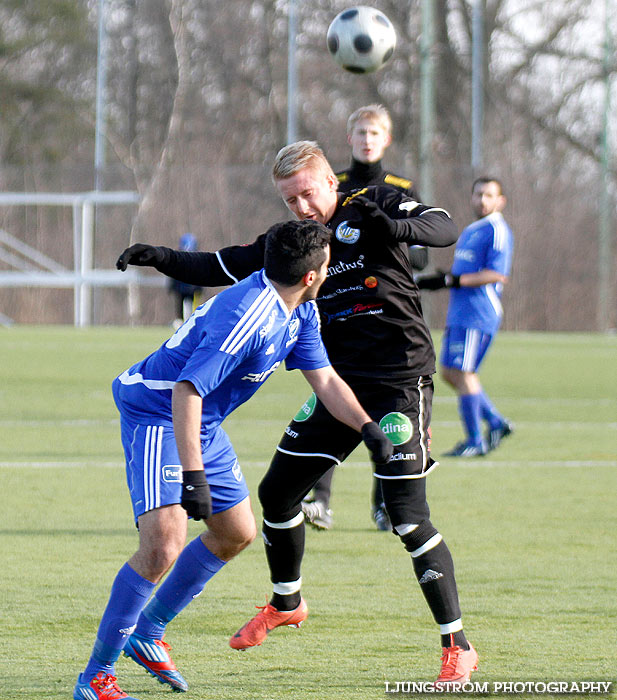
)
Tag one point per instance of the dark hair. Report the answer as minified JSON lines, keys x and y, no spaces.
{"x":293,"y":248}
{"x":484,"y":180}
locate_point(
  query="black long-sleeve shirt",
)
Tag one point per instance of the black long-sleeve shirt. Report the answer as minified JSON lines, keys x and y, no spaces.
{"x":372,"y":323}
{"x":360,"y":175}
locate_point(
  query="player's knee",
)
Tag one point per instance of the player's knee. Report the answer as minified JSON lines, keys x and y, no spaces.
{"x":449,"y":376}
{"x":286,"y":483}
{"x":248,"y":535}
{"x":279,"y":503}
{"x":265,"y":494}
{"x":419,"y":536}
{"x":231,"y":543}
{"x":157,"y":560}
{"x":405,"y":501}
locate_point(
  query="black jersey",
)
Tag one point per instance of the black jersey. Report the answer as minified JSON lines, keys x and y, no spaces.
{"x":364,"y":174}
{"x":371,"y":316}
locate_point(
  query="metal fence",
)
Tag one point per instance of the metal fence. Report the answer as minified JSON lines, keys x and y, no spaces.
{"x":33,"y":268}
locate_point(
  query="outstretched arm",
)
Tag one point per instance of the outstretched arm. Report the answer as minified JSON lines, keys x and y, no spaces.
{"x":226,"y":266}
{"x":442,"y":280}
{"x":482,"y":277}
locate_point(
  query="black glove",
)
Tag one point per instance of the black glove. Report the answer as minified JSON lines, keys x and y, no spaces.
{"x":438,"y":280}
{"x":141,"y":254}
{"x":382,"y":222}
{"x":377,"y":442}
{"x":196,"y":499}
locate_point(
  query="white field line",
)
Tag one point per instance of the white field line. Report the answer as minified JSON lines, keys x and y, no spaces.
{"x":89,"y":464}
{"x":70,"y":422}
{"x":536,"y":400}
{"x":88,"y":423}
{"x":540,"y":425}
{"x":249,"y":464}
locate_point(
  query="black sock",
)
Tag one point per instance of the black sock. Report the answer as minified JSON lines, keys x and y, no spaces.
{"x":283,"y":603}
{"x":455,"y":639}
{"x":434,"y":570}
{"x":284,"y":552}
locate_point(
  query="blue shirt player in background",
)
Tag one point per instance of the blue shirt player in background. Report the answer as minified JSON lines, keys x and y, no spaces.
{"x":482,"y":262}
{"x":179,"y":461}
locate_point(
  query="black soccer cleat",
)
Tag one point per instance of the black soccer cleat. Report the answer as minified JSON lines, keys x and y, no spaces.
{"x":496,"y":435}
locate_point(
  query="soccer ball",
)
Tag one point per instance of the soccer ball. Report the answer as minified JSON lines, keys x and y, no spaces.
{"x":361,"y":39}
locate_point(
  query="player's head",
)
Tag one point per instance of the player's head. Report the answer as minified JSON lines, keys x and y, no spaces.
{"x":369,"y":133}
{"x":305,"y":180}
{"x":298,"y":252}
{"x":487,"y":196}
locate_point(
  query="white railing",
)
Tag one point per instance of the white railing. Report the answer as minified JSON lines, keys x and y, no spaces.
{"x":38,"y":270}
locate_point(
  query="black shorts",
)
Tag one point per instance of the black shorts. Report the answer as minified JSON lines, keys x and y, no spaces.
{"x":314,"y":441}
{"x":403,"y":412}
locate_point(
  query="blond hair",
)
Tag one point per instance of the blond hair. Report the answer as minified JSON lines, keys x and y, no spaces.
{"x":375,"y":112}
{"x":297,"y":156}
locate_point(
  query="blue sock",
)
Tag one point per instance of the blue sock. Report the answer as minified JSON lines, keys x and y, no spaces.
{"x":489,"y":413}
{"x":195,"y":566}
{"x":469,"y":408}
{"x":129,"y":594}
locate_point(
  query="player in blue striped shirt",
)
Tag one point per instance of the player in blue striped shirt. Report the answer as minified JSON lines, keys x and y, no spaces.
{"x":179,"y":461}
{"x":482,"y":263}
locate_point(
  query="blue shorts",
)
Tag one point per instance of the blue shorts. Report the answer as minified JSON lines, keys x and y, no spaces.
{"x":154,"y":472}
{"x":464,"y":348}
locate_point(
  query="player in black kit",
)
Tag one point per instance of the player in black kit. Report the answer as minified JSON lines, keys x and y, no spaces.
{"x":376,"y":337}
{"x":369,"y":133}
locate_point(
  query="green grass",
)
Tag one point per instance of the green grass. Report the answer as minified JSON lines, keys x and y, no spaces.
{"x":531,"y":527}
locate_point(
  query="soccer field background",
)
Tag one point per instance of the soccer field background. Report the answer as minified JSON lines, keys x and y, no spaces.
{"x":531,"y":528}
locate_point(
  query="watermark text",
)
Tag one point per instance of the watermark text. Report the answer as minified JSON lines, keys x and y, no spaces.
{"x":500,"y":688}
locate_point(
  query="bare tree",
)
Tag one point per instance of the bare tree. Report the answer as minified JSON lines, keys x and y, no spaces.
{"x":197,"y":110}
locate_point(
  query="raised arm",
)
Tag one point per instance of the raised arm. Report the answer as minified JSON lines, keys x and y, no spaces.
{"x":224,"y":267}
{"x":405,"y":220}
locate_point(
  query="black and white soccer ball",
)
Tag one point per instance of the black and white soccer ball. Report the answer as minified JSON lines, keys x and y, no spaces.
{"x":361,"y":39}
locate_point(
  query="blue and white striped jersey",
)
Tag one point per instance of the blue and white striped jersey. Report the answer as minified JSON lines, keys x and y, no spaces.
{"x":485,"y":244}
{"x":226,"y":349}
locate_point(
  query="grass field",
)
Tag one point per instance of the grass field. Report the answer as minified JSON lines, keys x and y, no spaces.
{"x":532,"y":528}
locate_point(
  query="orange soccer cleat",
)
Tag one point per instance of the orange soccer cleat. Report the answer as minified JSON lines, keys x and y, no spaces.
{"x":457,"y":665}
{"x":257,"y":629}
{"x":102,"y":687}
